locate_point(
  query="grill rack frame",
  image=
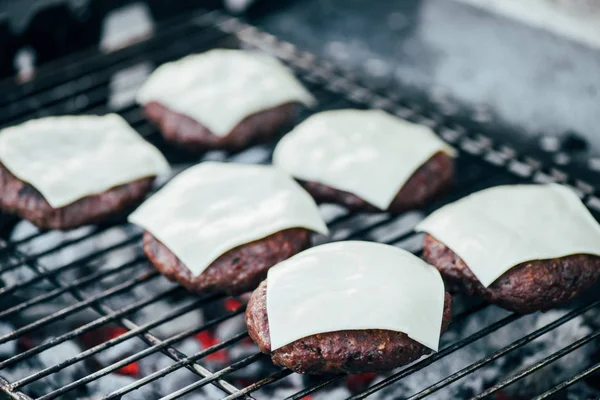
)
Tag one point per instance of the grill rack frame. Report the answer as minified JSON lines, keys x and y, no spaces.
{"x":340,"y":85}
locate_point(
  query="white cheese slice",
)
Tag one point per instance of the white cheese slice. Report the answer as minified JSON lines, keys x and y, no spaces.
{"x":354,"y":285}
{"x":219,"y":88}
{"x":495,"y":229}
{"x":214,"y":207}
{"x":370,"y":154}
{"x":67,"y":158}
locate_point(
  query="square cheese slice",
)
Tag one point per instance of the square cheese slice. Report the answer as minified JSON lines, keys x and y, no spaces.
{"x":221,"y":87}
{"x":67,"y":158}
{"x":214,"y":207}
{"x":498,"y":228}
{"x":354,"y":285}
{"x":368,"y":153}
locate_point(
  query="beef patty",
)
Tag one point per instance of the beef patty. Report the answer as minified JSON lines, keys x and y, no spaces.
{"x":237,"y":271}
{"x":428,"y":182}
{"x":191,"y":135}
{"x":531,"y":286}
{"x":351,"y":351}
{"x":20,"y":198}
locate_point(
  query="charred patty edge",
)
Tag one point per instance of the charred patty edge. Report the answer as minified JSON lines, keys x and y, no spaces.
{"x":352,"y":351}
{"x":192,"y":136}
{"x":431,"y":180}
{"x":22,"y":199}
{"x":236,"y":271}
{"x":537,"y":285}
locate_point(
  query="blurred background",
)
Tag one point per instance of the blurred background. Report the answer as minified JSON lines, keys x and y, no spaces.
{"x":533,"y":64}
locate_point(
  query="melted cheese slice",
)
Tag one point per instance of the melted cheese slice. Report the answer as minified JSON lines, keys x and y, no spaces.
{"x":354,"y":285}
{"x":370,"y":154}
{"x":495,"y":229}
{"x":67,"y":158}
{"x":219,"y":88}
{"x":214,"y":207}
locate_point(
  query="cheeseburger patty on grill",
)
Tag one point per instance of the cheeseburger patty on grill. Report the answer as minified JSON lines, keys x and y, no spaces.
{"x":531,"y":286}
{"x":429,"y":181}
{"x":191,"y":135}
{"x":237,"y":271}
{"x":351,"y":352}
{"x":22,"y":199}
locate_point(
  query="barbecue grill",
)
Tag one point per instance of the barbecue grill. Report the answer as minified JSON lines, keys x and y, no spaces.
{"x":82,"y":84}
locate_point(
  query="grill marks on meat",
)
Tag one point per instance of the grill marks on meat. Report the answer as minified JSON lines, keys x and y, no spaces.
{"x":528,"y":287}
{"x":237,"y":271}
{"x":191,"y":135}
{"x":20,"y":198}
{"x":352,"y":351}
{"x":429,"y":181}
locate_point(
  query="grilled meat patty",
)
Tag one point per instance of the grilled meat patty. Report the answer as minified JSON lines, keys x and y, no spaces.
{"x":191,"y":135}
{"x":531,"y":286}
{"x":352,"y":351}
{"x":237,"y":271}
{"x":20,"y":198}
{"x":428,"y":182}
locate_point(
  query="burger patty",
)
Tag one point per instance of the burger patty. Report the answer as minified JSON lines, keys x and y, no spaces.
{"x":237,"y":271}
{"x":350,"y":351}
{"x":531,"y":286}
{"x":191,"y":135}
{"x":20,"y":198}
{"x":428,"y":182}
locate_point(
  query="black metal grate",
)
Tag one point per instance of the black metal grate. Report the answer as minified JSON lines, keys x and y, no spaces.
{"x":82,"y":86}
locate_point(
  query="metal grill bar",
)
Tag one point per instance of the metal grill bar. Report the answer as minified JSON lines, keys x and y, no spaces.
{"x":59,"y":246}
{"x":135,"y":357}
{"x":119,"y":339}
{"x":77,"y":284}
{"x":81,"y":330}
{"x":318,"y":386}
{"x":14,"y":243}
{"x":134,"y":116}
{"x":263,"y":382}
{"x":30,"y":257}
{"x":79,"y":306}
{"x":145,"y":336}
{"x":233,"y":367}
{"x":434,"y":357}
{"x":563,"y":385}
{"x":459,"y":318}
{"x":175,"y":367}
{"x":540,"y":364}
{"x":468,"y":312}
{"x":416,"y":366}
{"x":515,"y":345}
{"x":50,"y":273}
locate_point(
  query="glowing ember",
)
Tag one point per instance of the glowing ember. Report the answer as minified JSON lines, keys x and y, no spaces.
{"x":357,"y":383}
{"x":104,"y":334}
{"x":232,"y":304}
{"x":207,"y":339}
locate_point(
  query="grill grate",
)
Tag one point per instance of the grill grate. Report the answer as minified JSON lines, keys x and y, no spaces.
{"x":83,"y":86}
